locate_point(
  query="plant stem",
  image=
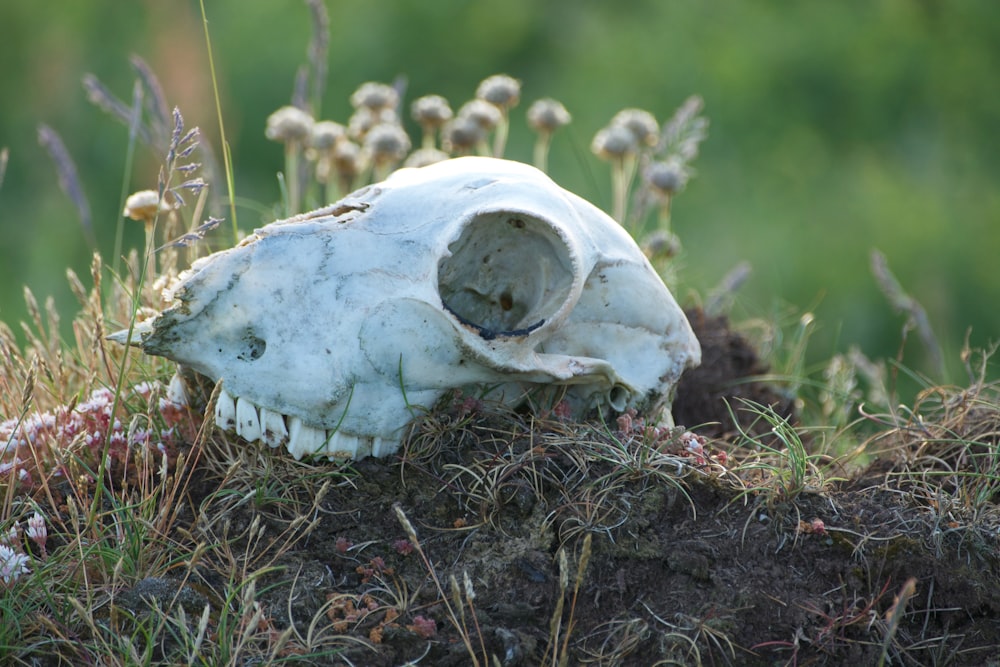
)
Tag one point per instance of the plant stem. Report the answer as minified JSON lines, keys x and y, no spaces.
{"x":541,"y":153}
{"x":292,"y":177}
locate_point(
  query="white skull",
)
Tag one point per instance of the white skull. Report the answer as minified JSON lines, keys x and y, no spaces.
{"x":326,"y":329}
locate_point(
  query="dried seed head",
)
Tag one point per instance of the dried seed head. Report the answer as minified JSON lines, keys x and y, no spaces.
{"x":431,"y":111}
{"x":387,"y":142}
{"x":485,"y":114}
{"x":500,"y":90}
{"x":456,"y":594}
{"x":462,"y":134}
{"x":547,"y":115}
{"x":289,"y":124}
{"x":585,"y":552}
{"x":661,"y":244}
{"x":685,"y":130}
{"x":425,"y":156}
{"x":326,"y":134}
{"x":613,"y":142}
{"x":347,"y":158}
{"x":667,"y":177}
{"x":364,"y":119}
{"x":640,"y":123}
{"x":470,"y":592}
{"x":404,"y":521}
{"x":144,"y":206}
{"x":375,"y":96}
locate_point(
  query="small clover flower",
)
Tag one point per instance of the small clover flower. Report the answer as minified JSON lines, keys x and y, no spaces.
{"x":462,"y":134}
{"x":144,"y":206}
{"x":500,"y":90}
{"x":326,"y":134}
{"x":661,"y":244}
{"x":145,"y":389}
{"x":293,"y":127}
{"x":618,"y":145}
{"x":348,"y":162}
{"x":347,"y":158}
{"x":503,"y":93}
{"x":12,"y":564}
{"x":640,"y":123}
{"x":387,"y":144}
{"x":37,"y":532}
{"x":375,"y":96}
{"x":431,"y":112}
{"x":15,"y":468}
{"x":425,"y":156}
{"x":547,"y":115}
{"x":614,"y":143}
{"x":485,"y":114}
{"x":289,"y":124}
{"x":666,"y":177}
{"x":364,"y":119}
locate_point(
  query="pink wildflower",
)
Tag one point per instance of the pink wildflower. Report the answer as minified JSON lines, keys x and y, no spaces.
{"x":694,"y":445}
{"x":562,"y":411}
{"x":37,"y":532}
{"x":629,"y":422}
{"x":424,"y":627}
{"x":12,"y":564}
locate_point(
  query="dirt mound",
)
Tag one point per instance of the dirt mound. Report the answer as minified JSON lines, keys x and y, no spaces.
{"x":728,"y":375}
{"x":497,"y":535}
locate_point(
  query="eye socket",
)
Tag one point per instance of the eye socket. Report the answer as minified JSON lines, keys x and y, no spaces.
{"x":506,"y":275}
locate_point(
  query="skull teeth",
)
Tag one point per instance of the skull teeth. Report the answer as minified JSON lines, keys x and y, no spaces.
{"x":176,"y":393}
{"x":300,"y":439}
{"x":345,"y":446}
{"x":225,"y":411}
{"x":304,"y":439}
{"x":247,"y":420}
{"x":273,"y":431}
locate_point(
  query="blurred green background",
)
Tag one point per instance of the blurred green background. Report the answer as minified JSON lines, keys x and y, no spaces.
{"x":836,"y":127}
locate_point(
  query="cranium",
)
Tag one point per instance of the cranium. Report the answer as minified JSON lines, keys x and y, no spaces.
{"x":326,"y":329}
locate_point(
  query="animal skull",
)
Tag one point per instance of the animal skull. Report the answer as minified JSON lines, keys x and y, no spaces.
{"x":325,"y":329}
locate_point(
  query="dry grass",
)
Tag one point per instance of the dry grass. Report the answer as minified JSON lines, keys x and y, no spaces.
{"x":157,"y":560}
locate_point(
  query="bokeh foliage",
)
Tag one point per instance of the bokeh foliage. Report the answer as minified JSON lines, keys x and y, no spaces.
{"x":835,"y":128}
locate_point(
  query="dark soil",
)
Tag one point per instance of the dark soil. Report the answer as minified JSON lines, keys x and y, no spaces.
{"x":684,"y":568}
{"x":729,"y":364}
